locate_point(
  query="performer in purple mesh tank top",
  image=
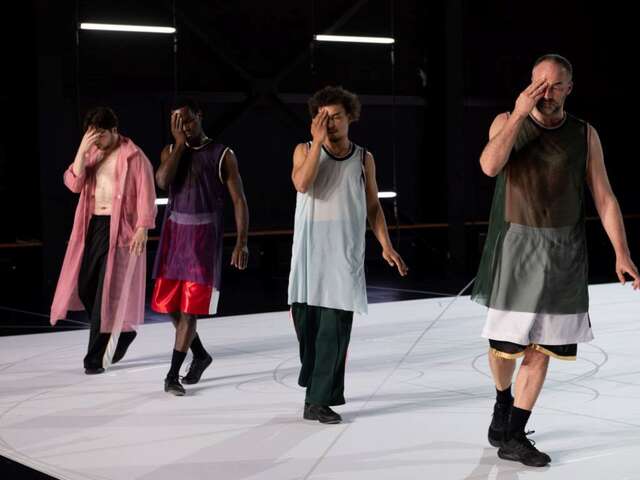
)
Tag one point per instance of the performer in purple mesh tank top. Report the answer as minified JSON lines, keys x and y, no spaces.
{"x":195,"y":171}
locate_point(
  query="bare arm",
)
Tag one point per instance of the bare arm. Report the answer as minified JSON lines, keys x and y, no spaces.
{"x":609,"y":210}
{"x":74,"y":176}
{"x":307,"y":160}
{"x":231,"y":176}
{"x":169,"y":161}
{"x":504,"y":130}
{"x":375,"y":215}
{"x":88,"y":140}
{"x":170,"y":158}
{"x":502,"y":136}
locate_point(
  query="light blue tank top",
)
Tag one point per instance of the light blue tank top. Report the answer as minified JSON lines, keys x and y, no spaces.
{"x":327,"y":261}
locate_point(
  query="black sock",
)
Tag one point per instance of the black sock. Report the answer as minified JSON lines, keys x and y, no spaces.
{"x":197,"y":348}
{"x":504,"y":396}
{"x":176,"y":362}
{"x":518,"y":421}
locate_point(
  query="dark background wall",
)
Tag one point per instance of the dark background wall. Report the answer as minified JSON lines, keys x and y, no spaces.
{"x":253,"y":65}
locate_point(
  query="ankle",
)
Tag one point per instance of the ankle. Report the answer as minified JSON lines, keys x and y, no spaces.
{"x":517,"y":421}
{"x":504,"y":396}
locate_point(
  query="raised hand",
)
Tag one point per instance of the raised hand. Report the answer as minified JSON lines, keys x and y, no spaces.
{"x":530,"y":97}
{"x":319,"y":126}
{"x":88,"y":140}
{"x":177,"y":128}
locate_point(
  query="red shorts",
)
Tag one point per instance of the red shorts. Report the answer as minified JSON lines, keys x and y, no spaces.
{"x":170,"y":296}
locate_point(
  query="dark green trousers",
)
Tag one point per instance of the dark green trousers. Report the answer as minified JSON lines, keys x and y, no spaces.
{"x":323,"y":335}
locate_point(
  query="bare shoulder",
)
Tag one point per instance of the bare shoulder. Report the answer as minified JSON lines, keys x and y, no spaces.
{"x":229,"y":154}
{"x":592,"y":134}
{"x":300,"y":152}
{"x":301,"y":148}
{"x":498,"y":124}
{"x":369,"y":161}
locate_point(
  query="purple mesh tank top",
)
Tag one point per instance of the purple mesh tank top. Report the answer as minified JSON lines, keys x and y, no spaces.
{"x":190,"y":247}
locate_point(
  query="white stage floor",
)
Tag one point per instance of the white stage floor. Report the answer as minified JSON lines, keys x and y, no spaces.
{"x":421,"y":415}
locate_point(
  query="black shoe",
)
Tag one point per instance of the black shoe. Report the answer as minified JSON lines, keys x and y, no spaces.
{"x":321,"y":413}
{"x":172,"y":385}
{"x":198,"y":365}
{"x":123,"y":345}
{"x":93,"y":370}
{"x":499,"y":423}
{"x":520,"y":449}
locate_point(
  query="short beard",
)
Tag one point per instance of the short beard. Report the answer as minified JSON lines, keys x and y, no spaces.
{"x":548,"y":108}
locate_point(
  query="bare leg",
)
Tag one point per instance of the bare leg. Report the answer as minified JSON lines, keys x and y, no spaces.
{"x":530,"y":379}
{"x":175,"y":318}
{"x":502,"y":370}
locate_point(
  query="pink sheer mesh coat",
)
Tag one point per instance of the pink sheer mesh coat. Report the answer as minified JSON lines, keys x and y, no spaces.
{"x":133,"y":206}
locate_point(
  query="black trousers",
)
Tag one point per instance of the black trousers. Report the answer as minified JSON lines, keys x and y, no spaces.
{"x":90,"y":285}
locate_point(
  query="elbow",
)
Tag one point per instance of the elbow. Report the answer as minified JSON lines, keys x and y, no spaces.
{"x":607,"y":202}
{"x":161,"y":182}
{"x":74,"y":187}
{"x":72,"y":181}
{"x":372,"y":212}
{"x":240,"y":203}
{"x":301,"y":187}
{"x":489,"y":170}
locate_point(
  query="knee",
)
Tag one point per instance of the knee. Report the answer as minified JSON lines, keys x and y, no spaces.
{"x":495,"y":358}
{"x":534,"y":357}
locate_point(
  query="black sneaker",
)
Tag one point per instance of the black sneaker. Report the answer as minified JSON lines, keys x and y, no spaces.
{"x":93,"y":370}
{"x":499,"y":423}
{"x":321,"y":413}
{"x":195,"y":370}
{"x":520,"y":449}
{"x":172,"y":385}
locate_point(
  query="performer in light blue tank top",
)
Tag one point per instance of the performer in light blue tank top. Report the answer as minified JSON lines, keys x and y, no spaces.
{"x":337,"y":192}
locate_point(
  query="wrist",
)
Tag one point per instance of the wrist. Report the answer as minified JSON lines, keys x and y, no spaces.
{"x":622,"y":253}
{"x":519,"y":115}
{"x":387,"y":247}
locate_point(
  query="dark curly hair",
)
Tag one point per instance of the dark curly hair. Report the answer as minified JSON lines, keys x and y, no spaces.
{"x":100,"y":117}
{"x":335,"y":96}
{"x":189,"y":102}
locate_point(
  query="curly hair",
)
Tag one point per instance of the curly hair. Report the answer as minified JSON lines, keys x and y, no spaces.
{"x":100,"y":117}
{"x":189,"y":102}
{"x":335,"y":96}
